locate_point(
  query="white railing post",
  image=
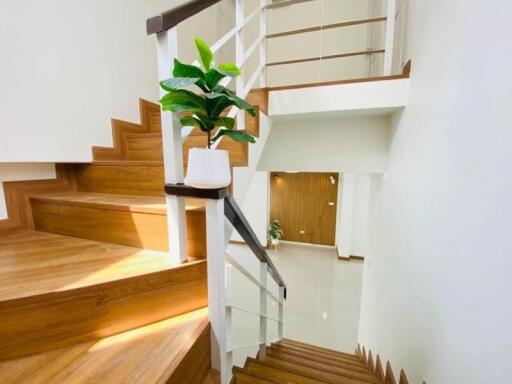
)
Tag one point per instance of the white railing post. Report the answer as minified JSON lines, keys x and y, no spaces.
{"x":390,"y":37}
{"x":263,"y":308}
{"x":217,"y":309}
{"x":167,"y":51}
{"x":263,"y":43}
{"x":280,"y":313}
{"x":240,"y":54}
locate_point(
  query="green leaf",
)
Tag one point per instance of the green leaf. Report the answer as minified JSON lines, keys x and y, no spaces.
{"x":190,"y":121}
{"x":178,"y":83}
{"x":239,"y":102}
{"x":205,"y":54}
{"x":182,"y":100}
{"x":229,"y":69}
{"x":186,"y":70}
{"x":239,"y":136}
{"x":217,"y":103}
{"x":227,"y":122}
{"x":213,"y":77}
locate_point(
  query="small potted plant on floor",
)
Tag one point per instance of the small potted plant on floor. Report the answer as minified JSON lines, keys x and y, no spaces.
{"x":207,"y":167}
{"x":275,"y":232}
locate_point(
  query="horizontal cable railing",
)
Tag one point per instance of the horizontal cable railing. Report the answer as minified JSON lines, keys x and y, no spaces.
{"x":326,"y":27}
{"x":237,"y":219}
{"x":328,"y":57}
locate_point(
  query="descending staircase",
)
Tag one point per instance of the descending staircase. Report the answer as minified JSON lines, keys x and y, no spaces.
{"x":87,"y":291}
{"x":288,"y":361}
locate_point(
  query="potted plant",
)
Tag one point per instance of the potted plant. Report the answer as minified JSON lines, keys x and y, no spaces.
{"x":275,"y":232}
{"x":207,"y":167}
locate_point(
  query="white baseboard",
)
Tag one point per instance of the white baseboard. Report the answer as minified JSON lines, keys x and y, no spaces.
{"x":310,"y":245}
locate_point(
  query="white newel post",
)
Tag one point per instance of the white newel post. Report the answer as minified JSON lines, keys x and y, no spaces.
{"x":390,"y":37}
{"x":263,"y":308}
{"x":167,"y":51}
{"x":240,"y":53}
{"x":219,"y":321}
{"x":263,"y":43}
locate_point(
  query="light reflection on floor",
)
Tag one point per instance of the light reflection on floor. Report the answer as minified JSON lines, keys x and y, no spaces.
{"x":324,"y":296}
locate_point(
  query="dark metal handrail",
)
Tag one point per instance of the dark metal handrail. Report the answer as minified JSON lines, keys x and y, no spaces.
{"x":173,"y":17}
{"x":236,"y":217}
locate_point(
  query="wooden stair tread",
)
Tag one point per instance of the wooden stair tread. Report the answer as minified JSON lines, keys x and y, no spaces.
{"x":282,"y":363}
{"x":353,"y":366}
{"x":350,"y":371}
{"x":131,"y":203}
{"x":277,"y":375}
{"x":243,"y":376}
{"x":149,"y":354}
{"x":315,"y":373}
{"x":350,"y":359}
{"x":152,"y":163}
{"x":293,"y":343}
{"x":38,"y":263}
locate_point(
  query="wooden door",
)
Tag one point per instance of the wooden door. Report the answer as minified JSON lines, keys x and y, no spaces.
{"x":305,"y":205}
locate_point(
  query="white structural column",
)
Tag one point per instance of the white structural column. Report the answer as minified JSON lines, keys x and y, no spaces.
{"x":217,"y":310}
{"x":263,"y":43}
{"x":167,"y":51}
{"x":263,"y":308}
{"x":240,"y":55}
{"x":390,"y":37}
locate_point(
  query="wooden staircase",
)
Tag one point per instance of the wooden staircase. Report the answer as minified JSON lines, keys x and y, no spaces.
{"x":289,"y":361}
{"x":87,"y":291}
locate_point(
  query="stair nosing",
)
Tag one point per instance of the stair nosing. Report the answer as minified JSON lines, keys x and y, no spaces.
{"x":65,"y":199}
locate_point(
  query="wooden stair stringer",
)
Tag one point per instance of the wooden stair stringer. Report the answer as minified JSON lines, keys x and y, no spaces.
{"x":121,"y":129}
{"x":386,"y":377}
{"x":17,"y":198}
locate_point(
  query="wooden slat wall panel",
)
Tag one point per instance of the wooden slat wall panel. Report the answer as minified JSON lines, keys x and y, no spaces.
{"x":17,"y":194}
{"x":300,"y":201}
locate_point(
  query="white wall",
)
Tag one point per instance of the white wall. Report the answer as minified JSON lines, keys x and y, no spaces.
{"x":352,"y":219}
{"x":376,"y":96}
{"x":347,"y":144}
{"x":69,"y":66}
{"x":437,"y":281}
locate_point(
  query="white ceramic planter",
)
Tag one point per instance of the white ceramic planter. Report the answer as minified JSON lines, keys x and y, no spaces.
{"x":208,"y":168}
{"x":275,"y":241}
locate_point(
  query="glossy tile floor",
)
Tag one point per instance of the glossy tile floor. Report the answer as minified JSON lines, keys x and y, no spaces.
{"x":324,"y":296}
